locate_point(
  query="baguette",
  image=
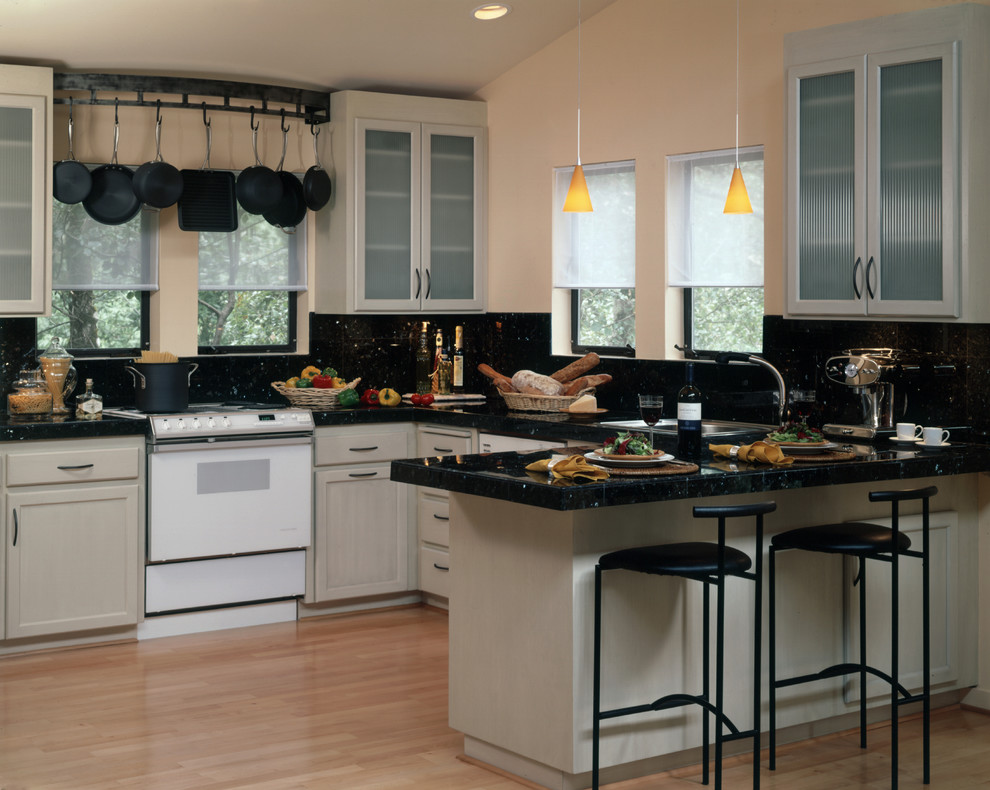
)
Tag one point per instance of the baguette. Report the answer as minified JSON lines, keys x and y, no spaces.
{"x":574,"y":387}
{"x":543,"y":385}
{"x":577,"y":368}
{"x":504,"y":383}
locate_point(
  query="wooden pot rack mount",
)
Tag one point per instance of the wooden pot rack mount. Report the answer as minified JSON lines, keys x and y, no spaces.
{"x":311,"y":106}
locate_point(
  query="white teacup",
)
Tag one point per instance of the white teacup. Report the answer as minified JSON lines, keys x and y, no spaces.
{"x":933,"y":437}
{"x":908,"y":431}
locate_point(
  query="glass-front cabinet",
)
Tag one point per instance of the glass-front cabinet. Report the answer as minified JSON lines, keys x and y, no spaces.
{"x":25,"y":190}
{"x":873,"y":179}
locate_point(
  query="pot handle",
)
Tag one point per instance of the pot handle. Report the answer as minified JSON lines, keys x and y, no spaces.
{"x":192,"y":369}
{"x":135,"y":374}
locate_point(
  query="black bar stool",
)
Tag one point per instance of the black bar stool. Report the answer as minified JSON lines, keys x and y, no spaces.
{"x":867,"y":542}
{"x":709,"y":563}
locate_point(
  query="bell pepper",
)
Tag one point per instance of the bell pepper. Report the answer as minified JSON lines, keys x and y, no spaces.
{"x":292,"y":382}
{"x":369,"y":397}
{"x":304,"y":382}
{"x":389,"y":397}
{"x":329,"y":372}
{"x":323,"y":381}
{"x":348,"y":398}
{"x":309,"y":371}
{"x":339,"y":383}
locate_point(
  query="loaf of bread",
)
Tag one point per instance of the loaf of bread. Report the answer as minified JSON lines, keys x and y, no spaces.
{"x":536,"y":384}
{"x":574,"y":387}
{"x":577,"y":368}
{"x":504,"y":383}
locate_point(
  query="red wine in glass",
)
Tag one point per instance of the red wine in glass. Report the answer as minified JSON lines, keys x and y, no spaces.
{"x":650,"y":408}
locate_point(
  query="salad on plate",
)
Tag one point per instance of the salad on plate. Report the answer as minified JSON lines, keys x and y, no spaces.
{"x":797,"y":433}
{"x":627,"y":444}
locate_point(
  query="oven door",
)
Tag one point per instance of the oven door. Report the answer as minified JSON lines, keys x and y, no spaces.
{"x":231,"y":497}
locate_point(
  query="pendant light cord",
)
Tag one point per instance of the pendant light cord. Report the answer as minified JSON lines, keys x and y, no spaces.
{"x":737,"y":84}
{"x":579,"y":87}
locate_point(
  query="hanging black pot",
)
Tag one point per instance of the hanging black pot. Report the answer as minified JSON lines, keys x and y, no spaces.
{"x":258,"y":187}
{"x":317,"y":186}
{"x":71,"y":180}
{"x":290,"y":210}
{"x":157,"y":183}
{"x":111,"y":200}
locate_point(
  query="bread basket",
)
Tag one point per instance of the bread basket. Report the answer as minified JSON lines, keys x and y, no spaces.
{"x":314,"y":398}
{"x":519,"y":401}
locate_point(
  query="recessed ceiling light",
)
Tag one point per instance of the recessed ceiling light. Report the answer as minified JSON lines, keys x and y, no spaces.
{"x":491,"y":11}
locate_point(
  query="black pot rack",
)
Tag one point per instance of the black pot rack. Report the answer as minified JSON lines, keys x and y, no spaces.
{"x":311,"y":106}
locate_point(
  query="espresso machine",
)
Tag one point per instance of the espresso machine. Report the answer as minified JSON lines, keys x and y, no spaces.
{"x":872,"y":373}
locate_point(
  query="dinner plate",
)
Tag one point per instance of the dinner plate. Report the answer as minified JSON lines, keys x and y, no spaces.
{"x":583,"y":415}
{"x":628,"y":460}
{"x":805,"y":449}
{"x":822,"y":443}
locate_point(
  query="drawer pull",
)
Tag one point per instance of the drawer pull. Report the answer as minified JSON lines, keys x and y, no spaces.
{"x":444,"y":449}
{"x":362,"y":449}
{"x":73,"y":468}
{"x":438,"y":517}
{"x":363,"y":474}
{"x":15,"y":528}
{"x":440,"y":567}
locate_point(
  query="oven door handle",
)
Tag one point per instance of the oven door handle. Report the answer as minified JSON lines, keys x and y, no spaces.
{"x":206,"y":444}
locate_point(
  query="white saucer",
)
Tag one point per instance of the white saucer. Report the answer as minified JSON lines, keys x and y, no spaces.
{"x":912,"y":440}
{"x":923,"y":446}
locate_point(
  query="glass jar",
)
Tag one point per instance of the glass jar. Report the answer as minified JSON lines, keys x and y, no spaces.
{"x":31,"y":397}
{"x":60,"y":376}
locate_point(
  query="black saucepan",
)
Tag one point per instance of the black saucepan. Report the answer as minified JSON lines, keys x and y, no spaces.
{"x":157,"y":183}
{"x":291,"y":207}
{"x":317,"y":186}
{"x":112,"y":201}
{"x":71,"y":179}
{"x":258,"y":187}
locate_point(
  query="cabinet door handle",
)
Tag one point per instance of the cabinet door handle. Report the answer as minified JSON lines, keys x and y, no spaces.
{"x":77,"y":466}
{"x":362,"y":474}
{"x":419,"y":283}
{"x":856,"y":288}
{"x":438,"y":517}
{"x":440,"y":567}
{"x":444,"y":449}
{"x":362,"y":449}
{"x":15,"y":529}
{"x":869,"y":286}
{"x":429,"y":283}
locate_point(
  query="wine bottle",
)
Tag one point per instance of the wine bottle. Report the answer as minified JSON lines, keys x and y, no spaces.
{"x":459,"y":359}
{"x":437,"y":361}
{"x":689,"y":417}
{"x":423,"y":363}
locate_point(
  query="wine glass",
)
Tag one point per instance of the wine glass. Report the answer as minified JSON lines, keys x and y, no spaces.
{"x":650,"y":407}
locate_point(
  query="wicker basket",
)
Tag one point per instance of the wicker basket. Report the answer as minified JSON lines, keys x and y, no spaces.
{"x":518,"y":401}
{"x":314,"y":398}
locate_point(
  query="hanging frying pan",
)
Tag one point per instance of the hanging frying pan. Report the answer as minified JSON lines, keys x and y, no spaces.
{"x":258,"y":188}
{"x":290,"y":209}
{"x":158,"y":183}
{"x":317,"y":186}
{"x":208,"y":202}
{"x":111,"y":200}
{"x":71,"y":179}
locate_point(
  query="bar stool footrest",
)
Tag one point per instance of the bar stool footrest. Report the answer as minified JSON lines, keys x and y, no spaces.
{"x":838,"y":670}
{"x":672,"y":701}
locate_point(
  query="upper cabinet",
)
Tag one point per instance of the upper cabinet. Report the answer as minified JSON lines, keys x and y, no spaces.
{"x":880,"y":179}
{"x":25,"y":190}
{"x":407,"y":229}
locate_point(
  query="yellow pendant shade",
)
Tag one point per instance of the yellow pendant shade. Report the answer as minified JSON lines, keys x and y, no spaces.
{"x":737,"y":201}
{"x":578,"y":198}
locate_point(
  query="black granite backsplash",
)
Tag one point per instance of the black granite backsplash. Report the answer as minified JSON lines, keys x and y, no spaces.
{"x":380,"y":348}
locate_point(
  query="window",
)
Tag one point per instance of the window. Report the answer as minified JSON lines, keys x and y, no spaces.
{"x":102,"y":276}
{"x":594,"y":255}
{"x":717,"y":258}
{"x":248,"y":281}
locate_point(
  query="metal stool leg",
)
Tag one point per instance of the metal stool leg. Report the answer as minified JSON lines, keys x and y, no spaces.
{"x":706,"y":684}
{"x":862,"y":652}
{"x":719,"y":652}
{"x":596,"y":702}
{"x":757,"y":649}
{"x":926,"y":647}
{"x":772,"y":659}
{"x":894,"y":636}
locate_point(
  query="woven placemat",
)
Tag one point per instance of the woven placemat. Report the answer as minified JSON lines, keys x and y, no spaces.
{"x":826,"y":456}
{"x":650,"y":471}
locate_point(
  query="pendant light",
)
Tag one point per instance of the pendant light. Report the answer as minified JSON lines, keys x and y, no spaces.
{"x":737,"y":201}
{"x":578,"y":198}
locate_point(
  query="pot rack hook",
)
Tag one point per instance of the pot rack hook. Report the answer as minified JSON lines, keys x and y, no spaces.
{"x":158,"y":112}
{"x":254,"y":126}
{"x":205,"y":121}
{"x":314,"y":129}
{"x":285,"y":129}
{"x":116,"y":101}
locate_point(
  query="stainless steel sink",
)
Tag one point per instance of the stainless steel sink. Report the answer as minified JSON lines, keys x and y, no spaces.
{"x":708,"y":427}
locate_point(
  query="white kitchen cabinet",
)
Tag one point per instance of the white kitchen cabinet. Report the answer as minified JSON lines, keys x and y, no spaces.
{"x":74,"y":516}
{"x":25,"y":190}
{"x":881,"y":118}
{"x":361,"y":544}
{"x":407,"y":229}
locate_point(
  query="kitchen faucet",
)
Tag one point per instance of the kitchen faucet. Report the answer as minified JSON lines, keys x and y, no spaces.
{"x":725,"y":357}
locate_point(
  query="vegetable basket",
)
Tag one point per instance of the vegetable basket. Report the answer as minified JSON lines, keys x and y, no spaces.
{"x":520,"y":401}
{"x":313,"y":398}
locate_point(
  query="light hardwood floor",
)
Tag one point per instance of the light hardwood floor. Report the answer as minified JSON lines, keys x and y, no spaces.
{"x":343,"y":703}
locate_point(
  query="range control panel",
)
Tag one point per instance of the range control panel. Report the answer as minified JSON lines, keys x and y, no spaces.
{"x":169,"y":427}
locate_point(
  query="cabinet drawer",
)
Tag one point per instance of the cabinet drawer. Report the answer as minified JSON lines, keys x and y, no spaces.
{"x":434,"y":519}
{"x":75,"y":466}
{"x":435,"y":442}
{"x":361,"y":448}
{"x":434,"y":571}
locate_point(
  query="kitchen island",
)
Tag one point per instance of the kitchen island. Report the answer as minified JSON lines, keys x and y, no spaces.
{"x":522,"y":555}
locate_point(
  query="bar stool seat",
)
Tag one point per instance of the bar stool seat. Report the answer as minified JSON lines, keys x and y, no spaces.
{"x":850,"y":538}
{"x":676,"y":559}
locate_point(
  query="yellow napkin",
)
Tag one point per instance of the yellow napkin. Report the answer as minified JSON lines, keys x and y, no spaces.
{"x":755,"y":453}
{"x":575,"y":467}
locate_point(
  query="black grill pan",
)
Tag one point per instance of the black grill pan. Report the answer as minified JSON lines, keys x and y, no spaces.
{"x":208,"y":202}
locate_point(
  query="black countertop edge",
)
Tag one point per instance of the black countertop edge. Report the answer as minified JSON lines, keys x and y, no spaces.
{"x":503,"y":476}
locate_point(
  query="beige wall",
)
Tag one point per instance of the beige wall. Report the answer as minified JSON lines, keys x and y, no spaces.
{"x":657,"y":79}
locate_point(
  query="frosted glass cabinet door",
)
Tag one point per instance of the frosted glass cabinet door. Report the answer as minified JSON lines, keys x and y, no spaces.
{"x":24,"y":194}
{"x":388,"y":274}
{"x":453,"y":246}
